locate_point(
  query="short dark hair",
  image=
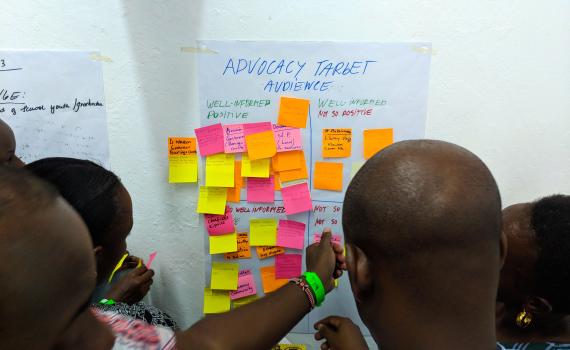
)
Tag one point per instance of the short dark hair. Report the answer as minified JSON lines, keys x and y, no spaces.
{"x":551,"y":223}
{"x":20,"y":189}
{"x":89,"y":188}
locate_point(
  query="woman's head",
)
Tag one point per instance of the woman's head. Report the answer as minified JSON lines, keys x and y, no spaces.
{"x":536,"y":274}
{"x":100,"y":199}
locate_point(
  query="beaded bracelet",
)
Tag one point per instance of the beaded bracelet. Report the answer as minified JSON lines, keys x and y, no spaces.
{"x":306,"y":288}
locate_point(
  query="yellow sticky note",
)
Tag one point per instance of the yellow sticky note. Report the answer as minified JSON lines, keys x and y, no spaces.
{"x":289,"y":347}
{"x":243,"y":249}
{"x":212,"y":200}
{"x":220,"y":170}
{"x":216,"y":301}
{"x":261,"y":145}
{"x":224,"y":276}
{"x":268,"y":280}
{"x":262,"y":232}
{"x":183,"y":168}
{"x":337,"y":143}
{"x":376,"y":140}
{"x":244,"y":301}
{"x":223,"y":243}
{"x":117,"y":267}
{"x":355,"y":167}
{"x":254,"y":168}
{"x":328,"y":176}
{"x":293,"y":112}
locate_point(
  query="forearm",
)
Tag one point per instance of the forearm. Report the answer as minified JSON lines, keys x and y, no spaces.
{"x":258,"y":325}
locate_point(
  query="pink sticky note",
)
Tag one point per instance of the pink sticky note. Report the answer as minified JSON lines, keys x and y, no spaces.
{"x":287,"y":138}
{"x":219,"y":224}
{"x":288,"y":265}
{"x":246,"y":286}
{"x":210,"y":139}
{"x":150,"y":259}
{"x":234,"y":139}
{"x":296,"y":198}
{"x":260,"y":190}
{"x":290,"y":234}
{"x":334,"y":238}
{"x":254,"y":128}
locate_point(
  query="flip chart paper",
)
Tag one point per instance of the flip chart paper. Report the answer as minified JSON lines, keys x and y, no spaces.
{"x":234,"y":193}
{"x":220,"y":170}
{"x":243,"y":248}
{"x":216,"y":301}
{"x":264,"y":252}
{"x":288,"y":160}
{"x":260,"y":190}
{"x":254,"y":168}
{"x":219,"y":224}
{"x":262,"y":232}
{"x":234,"y":139}
{"x":151,"y":258}
{"x":55,"y":104}
{"x":376,"y":140}
{"x":291,"y":234}
{"x":261,"y":145}
{"x":181,"y":146}
{"x":293,"y":112}
{"x":212,"y":200}
{"x":210,"y":139}
{"x":328,"y":176}
{"x":224,"y":275}
{"x":246,"y":286}
{"x":337,"y":143}
{"x":223,"y":243}
{"x":296,"y":198}
{"x":354,"y":167}
{"x":287,"y":138}
{"x":254,"y":128}
{"x":288,"y":265}
{"x":183,"y":169}
{"x":268,"y":280}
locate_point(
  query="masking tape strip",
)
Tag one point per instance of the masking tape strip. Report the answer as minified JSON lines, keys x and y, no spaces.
{"x":198,"y":50}
{"x":426,"y":50}
{"x":95,"y":56}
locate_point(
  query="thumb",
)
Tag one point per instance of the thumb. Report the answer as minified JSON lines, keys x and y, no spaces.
{"x":326,"y":238}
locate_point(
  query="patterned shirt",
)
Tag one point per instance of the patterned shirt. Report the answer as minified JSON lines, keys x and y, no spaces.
{"x":131,"y":334}
{"x":533,"y":346}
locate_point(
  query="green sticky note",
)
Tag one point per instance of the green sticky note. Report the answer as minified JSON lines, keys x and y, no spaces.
{"x":262,"y":232}
{"x":254,"y":168}
{"x":216,"y":301}
{"x":224,"y":276}
{"x":212,"y":200}
{"x":220,"y":170}
{"x":223,"y":243}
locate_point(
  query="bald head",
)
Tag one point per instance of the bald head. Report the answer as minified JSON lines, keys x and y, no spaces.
{"x":429,"y":212}
{"x":8,"y":146}
{"x":43,"y":243}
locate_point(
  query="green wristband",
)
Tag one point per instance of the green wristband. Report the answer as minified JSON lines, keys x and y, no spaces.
{"x":107,"y":302}
{"x":314,"y":281}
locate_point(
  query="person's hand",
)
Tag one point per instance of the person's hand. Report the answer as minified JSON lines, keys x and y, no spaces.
{"x":326,"y":260}
{"x":132,"y":287}
{"x":339,"y":333}
{"x":131,"y":262}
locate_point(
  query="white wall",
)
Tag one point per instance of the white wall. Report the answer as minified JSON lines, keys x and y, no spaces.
{"x":500,"y":86}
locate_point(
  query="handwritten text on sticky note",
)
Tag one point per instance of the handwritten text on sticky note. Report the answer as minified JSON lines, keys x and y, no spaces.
{"x":290,"y":234}
{"x":337,"y":143}
{"x":210,"y":139}
{"x":246,"y":285}
{"x":243,"y":248}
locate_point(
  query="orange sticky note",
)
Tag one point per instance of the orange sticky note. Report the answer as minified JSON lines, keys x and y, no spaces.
{"x":277,"y":182}
{"x":295,"y":174}
{"x":243,"y":248}
{"x":337,"y":143}
{"x":288,"y":160}
{"x":270,"y":283}
{"x":261,"y":145}
{"x":264,"y":252}
{"x":376,"y":140}
{"x":181,"y":146}
{"x":234,"y":193}
{"x":293,"y":112}
{"x":328,"y":176}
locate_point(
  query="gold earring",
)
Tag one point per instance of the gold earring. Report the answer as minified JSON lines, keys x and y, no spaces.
{"x":524,"y":319}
